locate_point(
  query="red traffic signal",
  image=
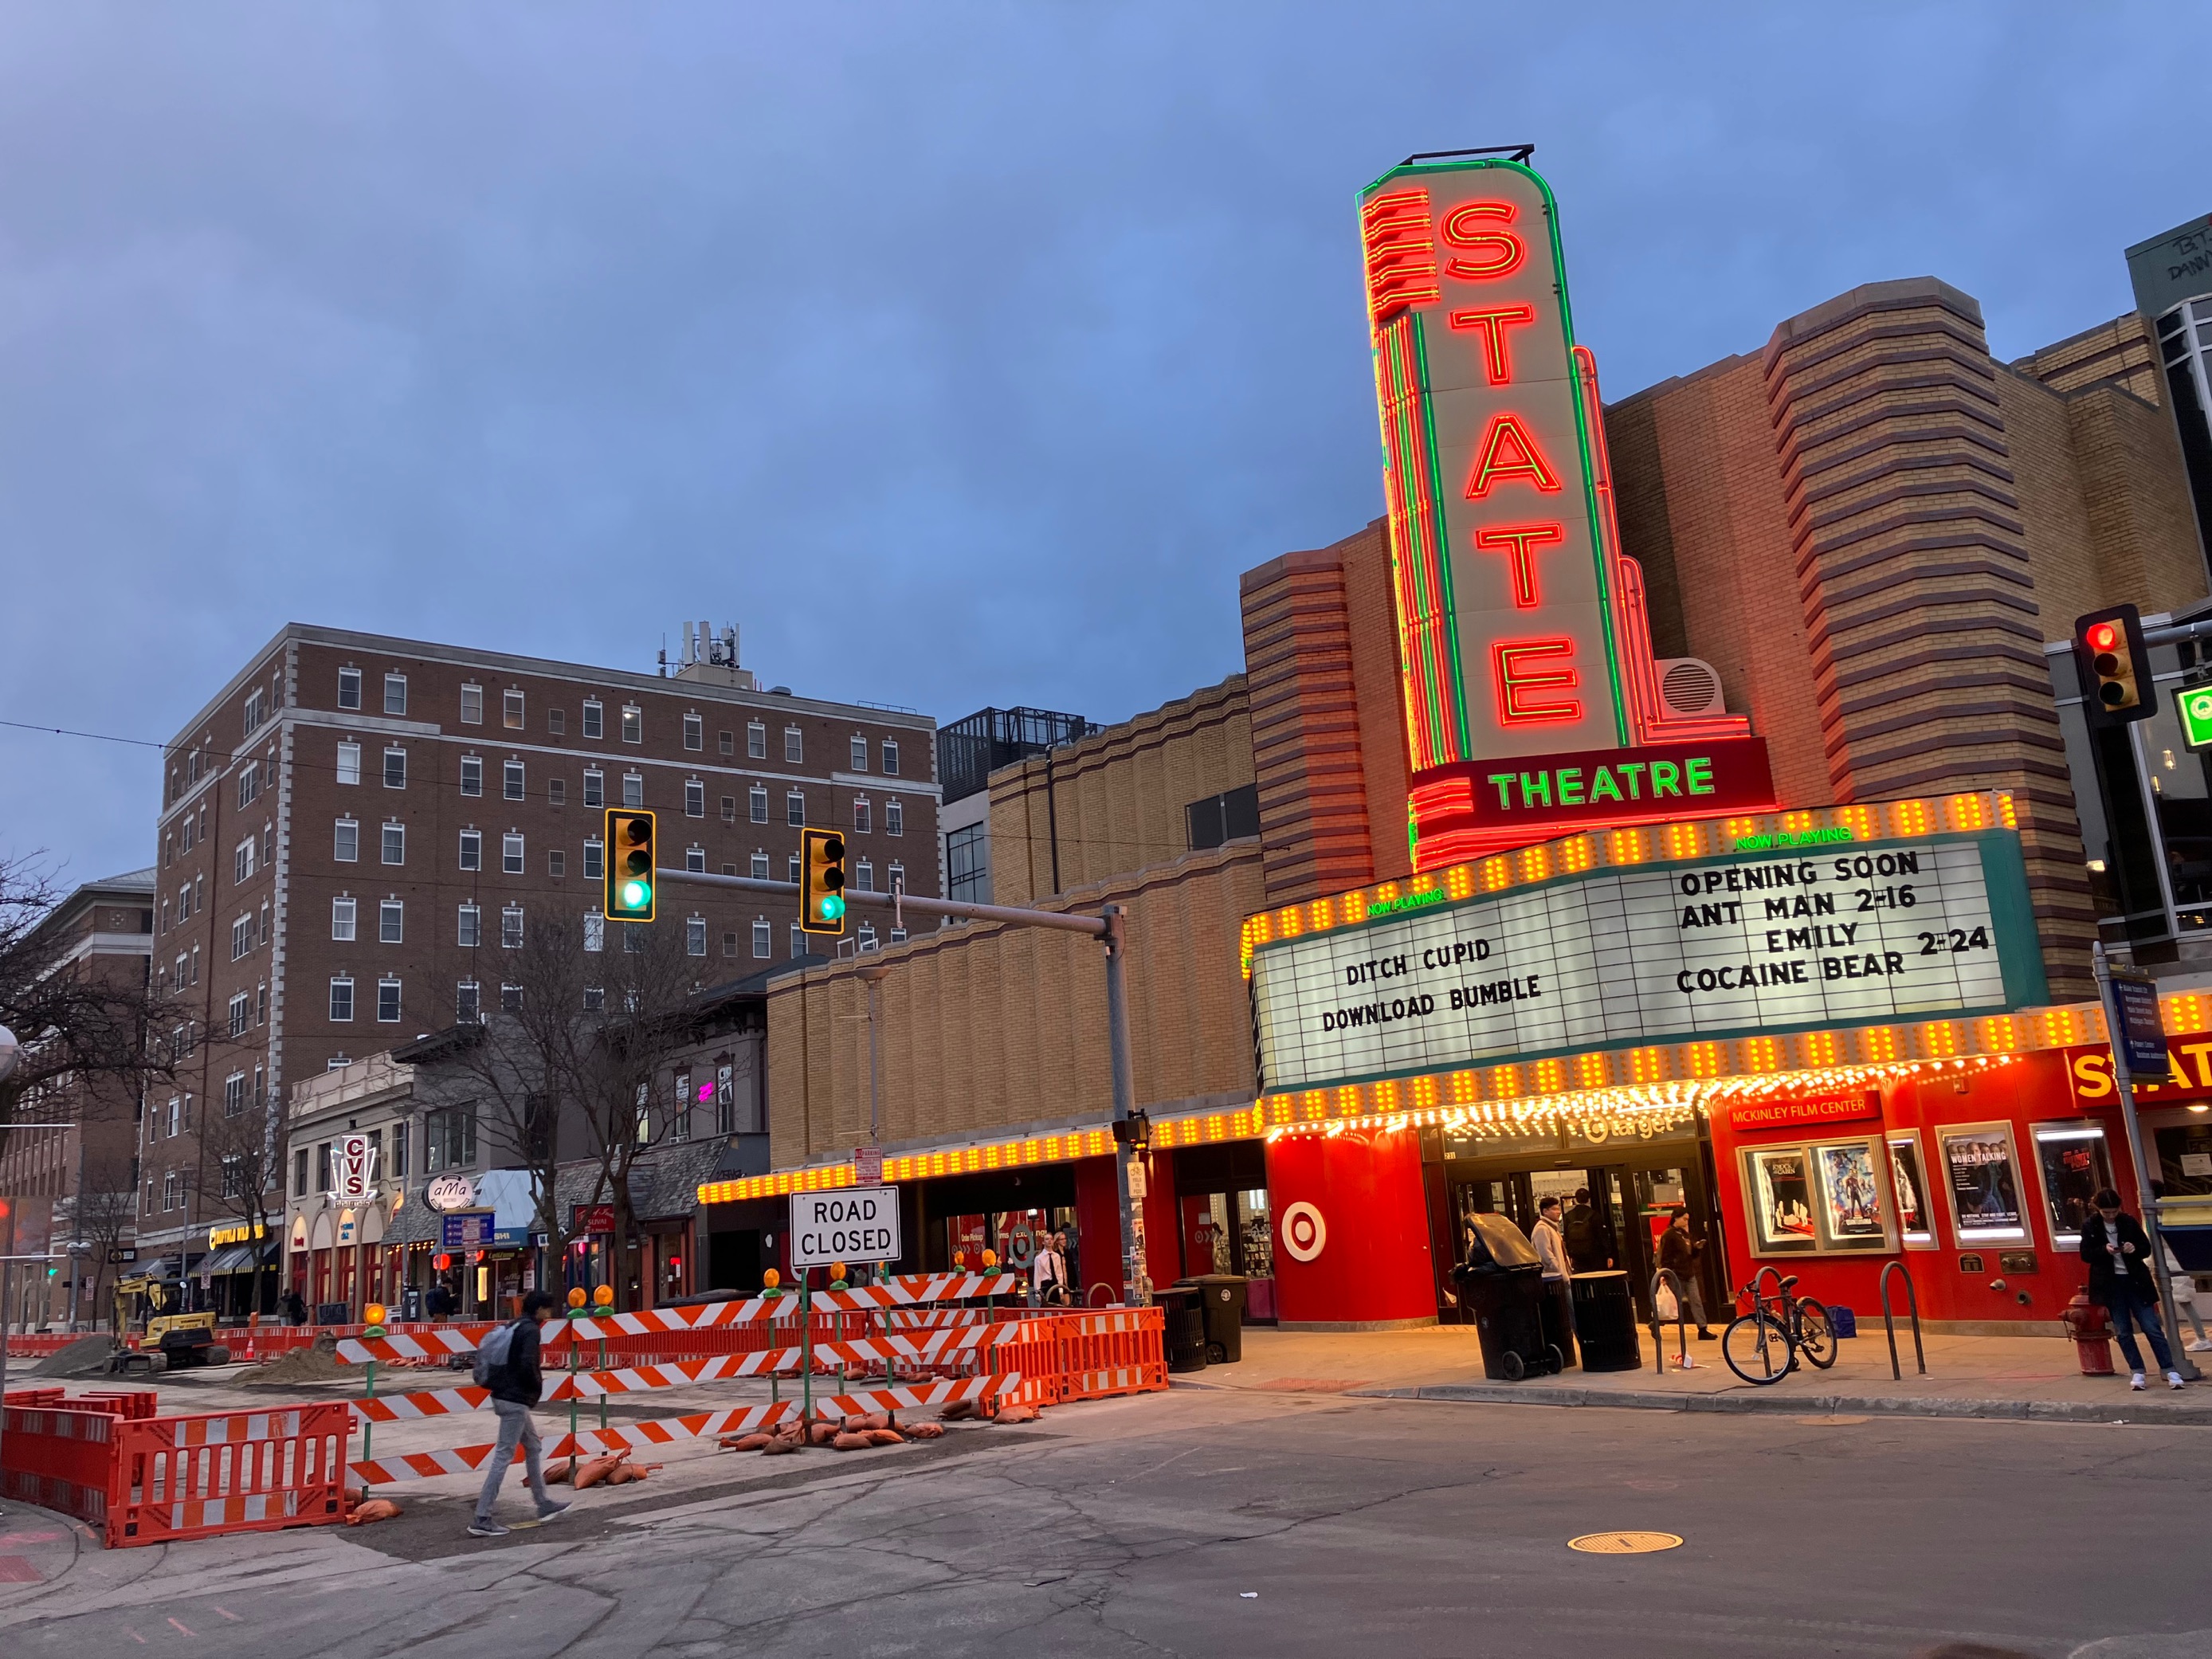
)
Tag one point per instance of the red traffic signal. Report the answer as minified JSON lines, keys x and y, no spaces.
{"x":2114,"y":664}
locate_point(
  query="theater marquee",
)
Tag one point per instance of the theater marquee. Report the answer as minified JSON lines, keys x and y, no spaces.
{"x":1773,"y":942}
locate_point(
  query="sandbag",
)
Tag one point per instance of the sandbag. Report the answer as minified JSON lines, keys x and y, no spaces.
{"x":925,"y":1431}
{"x":821,"y":1434}
{"x":375,"y":1509}
{"x":960,"y":1411}
{"x":885,"y":1437}
{"x":1019,"y":1414}
{"x":780,"y":1445}
{"x":598,"y":1469}
{"x":844,"y":1442}
{"x":745,"y":1442}
{"x":862,"y":1423}
{"x":561,"y":1474}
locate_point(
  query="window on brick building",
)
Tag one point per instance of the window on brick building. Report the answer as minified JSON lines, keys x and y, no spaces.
{"x":349,"y":688}
{"x":511,"y":711}
{"x":794,"y":808}
{"x":387,"y":1001}
{"x":633,"y":726}
{"x":595,"y":787}
{"x":595,"y":861}
{"x":511,"y":852}
{"x":395,"y":693}
{"x":392,"y":921}
{"x":763,"y":937}
{"x":473,"y":705}
{"x":349,"y":762}
{"x":395,"y":843}
{"x":695,"y":733}
{"x":727,"y":742}
{"x":894,"y":817}
{"x":510,"y":786}
{"x":695,"y":798}
{"x":345,"y":843}
{"x":756,"y":740}
{"x":471,"y":849}
{"x":594,"y":718}
{"x":395,"y":768}
{"x":794,"y":747}
{"x":472,"y":927}
{"x":758,"y":796}
{"x":342,"y":998}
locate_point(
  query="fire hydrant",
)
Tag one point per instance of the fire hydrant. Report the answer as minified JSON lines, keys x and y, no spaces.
{"x":2091,"y":1327}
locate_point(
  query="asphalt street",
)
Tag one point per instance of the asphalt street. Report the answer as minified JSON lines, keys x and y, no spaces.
{"x":1209,"y":1523}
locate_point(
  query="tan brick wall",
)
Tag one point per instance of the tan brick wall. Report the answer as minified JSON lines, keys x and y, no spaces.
{"x":1702,"y":510}
{"x":986,"y":1028}
{"x":1117,"y":801}
{"x":2141,"y":521}
{"x":2117,"y":352}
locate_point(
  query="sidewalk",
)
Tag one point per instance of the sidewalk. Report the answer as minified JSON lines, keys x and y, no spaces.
{"x":2034,"y":1378}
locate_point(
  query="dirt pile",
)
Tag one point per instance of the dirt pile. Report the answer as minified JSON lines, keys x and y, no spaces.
{"x":301,"y":1366}
{"x":86,"y":1357}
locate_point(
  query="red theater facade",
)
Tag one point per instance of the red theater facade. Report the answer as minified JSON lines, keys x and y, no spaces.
{"x":1538,"y":923}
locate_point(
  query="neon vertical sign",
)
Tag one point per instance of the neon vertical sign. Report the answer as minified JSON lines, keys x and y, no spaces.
{"x":1521,"y":628}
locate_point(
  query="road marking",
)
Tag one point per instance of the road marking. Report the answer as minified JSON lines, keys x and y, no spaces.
{"x":134,"y":1636}
{"x":186,"y":1629}
{"x":229,"y":1614}
{"x":18,"y":1569}
{"x":1624,"y":1543}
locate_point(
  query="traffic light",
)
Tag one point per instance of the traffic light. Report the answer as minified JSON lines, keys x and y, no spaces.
{"x":2116,"y":682}
{"x":629,"y":865}
{"x":821,"y":881}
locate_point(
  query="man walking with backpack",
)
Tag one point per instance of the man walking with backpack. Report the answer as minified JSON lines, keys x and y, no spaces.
{"x":506,"y":1363}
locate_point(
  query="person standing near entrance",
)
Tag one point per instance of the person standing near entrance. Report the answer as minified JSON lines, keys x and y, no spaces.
{"x":515,"y":1382}
{"x":1677,"y":1255}
{"x":1550,"y":1241}
{"x":1583,"y":1235}
{"x":1048,"y":1274}
{"x":2117,"y":1250}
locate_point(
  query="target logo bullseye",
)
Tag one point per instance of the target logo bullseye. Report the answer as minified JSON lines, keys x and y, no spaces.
{"x":1304,"y":1232}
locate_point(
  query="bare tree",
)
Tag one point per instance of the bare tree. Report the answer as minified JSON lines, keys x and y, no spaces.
{"x":562,"y":1051}
{"x":245,"y":1161}
{"x":650,"y":980}
{"x":107,"y":1209}
{"x":522,"y":1046}
{"x":77,"y":1027}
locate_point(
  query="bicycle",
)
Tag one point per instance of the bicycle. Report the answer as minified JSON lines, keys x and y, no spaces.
{"x":1765,"y":1345}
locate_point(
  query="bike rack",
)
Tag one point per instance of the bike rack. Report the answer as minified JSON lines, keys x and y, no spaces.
{"x":1666,"y":1275}
{"x":1889,"y":1322}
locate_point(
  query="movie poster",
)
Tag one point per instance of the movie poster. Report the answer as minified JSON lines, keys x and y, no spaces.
{"x":1783,"y":1193}
{"x":1850,"y":1198}
{"x":1912,"y":1191}
{"x":1984,"y":1182}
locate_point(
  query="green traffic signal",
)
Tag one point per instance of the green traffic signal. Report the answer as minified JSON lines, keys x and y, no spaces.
{"x":634,"y":895}
{"x":833,"y":906}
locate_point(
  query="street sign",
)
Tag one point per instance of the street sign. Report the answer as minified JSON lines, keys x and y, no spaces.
{"x":465,"y":1230}
{"x":867,"y":1166}
{"x":2139,"y":1033}
{"x":857,"y":1223}
{"x":2195,"y":703}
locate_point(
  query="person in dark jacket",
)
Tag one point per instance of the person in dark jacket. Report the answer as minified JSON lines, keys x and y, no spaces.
{"x":1678,"y":1253}
{"x":516,"y":1384}
{"x":1583,"y":1232}
{"x":2117,"y":1250}
{"x":295,"y":1308}
{"x":439,"y":1302}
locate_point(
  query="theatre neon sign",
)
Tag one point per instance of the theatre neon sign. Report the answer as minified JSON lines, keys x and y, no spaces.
{"x":1532,"y":702}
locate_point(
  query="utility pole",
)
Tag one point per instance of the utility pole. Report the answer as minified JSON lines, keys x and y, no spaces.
{"x":1130,"y":1130}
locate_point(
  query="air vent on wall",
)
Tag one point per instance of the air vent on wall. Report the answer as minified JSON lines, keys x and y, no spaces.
{"x":1688,"y":685}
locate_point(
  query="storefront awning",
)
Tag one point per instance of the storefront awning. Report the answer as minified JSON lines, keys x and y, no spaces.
{"x":231,"y":1258}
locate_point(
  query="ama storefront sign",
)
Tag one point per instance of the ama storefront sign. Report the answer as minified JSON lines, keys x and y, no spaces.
{"x":1532,"y":702}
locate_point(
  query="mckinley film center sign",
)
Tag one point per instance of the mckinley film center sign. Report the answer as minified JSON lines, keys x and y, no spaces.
{"x":1848,"y":934}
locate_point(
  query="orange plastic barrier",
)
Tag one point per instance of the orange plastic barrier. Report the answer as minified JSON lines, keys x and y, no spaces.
{"x":1116,"y":1350}
{"x":58,"y":1455}
{"x":222,"y":1472}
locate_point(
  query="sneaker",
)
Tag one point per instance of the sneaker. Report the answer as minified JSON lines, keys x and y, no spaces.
{"x":1704,"y":1335}
{"x":2202,"y":1345}
{"x":484,"y":1528}
{"x":551,"y":1512}
{"x":2136,"y":1381}
{"x":2173,"y":1380}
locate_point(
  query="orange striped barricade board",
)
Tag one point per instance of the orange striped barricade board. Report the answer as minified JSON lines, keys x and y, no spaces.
{"x":433,"y":1345}
{"x":223,"y":1472}
{"x":660,"y":1431}
{"x":912,"y":1396}
{"x":918,"y":1290}
{"x":1117,"y":1351}
{"x":590,"y":1385}
{"x":59,"y":1457}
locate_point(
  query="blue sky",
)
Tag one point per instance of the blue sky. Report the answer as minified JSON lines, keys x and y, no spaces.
{"x":960,"y":354}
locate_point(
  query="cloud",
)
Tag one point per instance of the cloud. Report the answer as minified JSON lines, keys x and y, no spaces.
{"x":960,"y":354}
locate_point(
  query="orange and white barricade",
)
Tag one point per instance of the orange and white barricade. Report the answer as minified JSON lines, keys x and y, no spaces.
{"x":223,"y":1472}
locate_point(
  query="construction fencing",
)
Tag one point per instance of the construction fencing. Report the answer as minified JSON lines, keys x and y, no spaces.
{"x":109,"y":1462}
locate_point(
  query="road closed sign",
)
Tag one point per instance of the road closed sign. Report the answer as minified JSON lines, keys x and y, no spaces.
{"x":860,"y":1224}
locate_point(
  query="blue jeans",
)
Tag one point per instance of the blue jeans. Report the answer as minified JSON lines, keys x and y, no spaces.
{"x":516,"y":1426}
{"x":2127,"y":1310}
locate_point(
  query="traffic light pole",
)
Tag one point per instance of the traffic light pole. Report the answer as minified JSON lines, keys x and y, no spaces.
{"x":1111,"y":928}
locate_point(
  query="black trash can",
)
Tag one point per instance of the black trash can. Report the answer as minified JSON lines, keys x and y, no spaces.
{"x":1185,"y":1327}
{"x":1605,"y":1321}
{"x":1222,"y":1296}
{"x":1501,"y":1285}
{"x":1558,"y":1310}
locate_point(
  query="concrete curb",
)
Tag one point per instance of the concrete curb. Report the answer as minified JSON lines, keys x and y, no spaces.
{"x":1746,"y":1401}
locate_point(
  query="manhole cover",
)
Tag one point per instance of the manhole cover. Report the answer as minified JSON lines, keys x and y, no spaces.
{"x":1623,"y":1543}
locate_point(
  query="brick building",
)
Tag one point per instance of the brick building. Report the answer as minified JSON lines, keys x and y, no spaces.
{"x":355,"y":827}
{"x":104,"y":929}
